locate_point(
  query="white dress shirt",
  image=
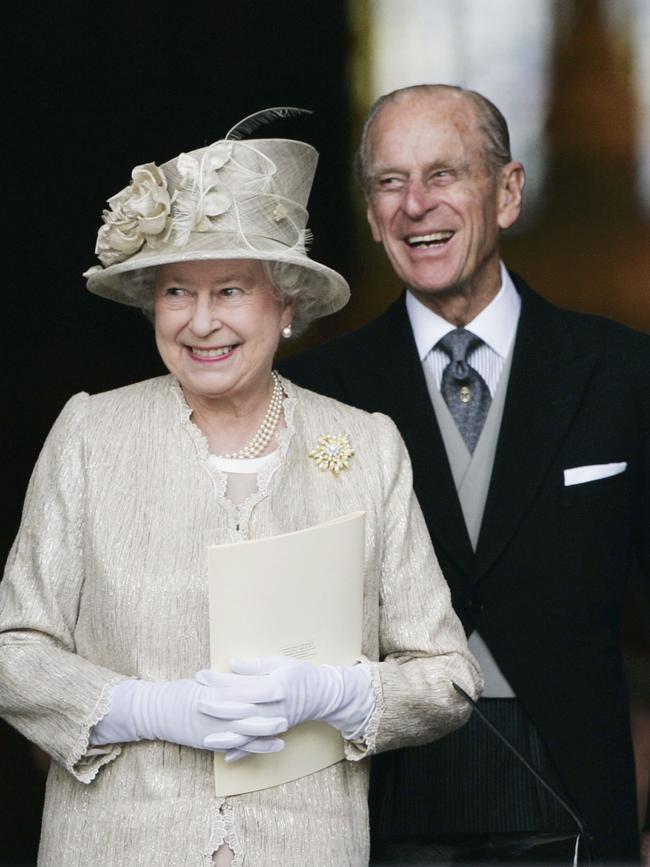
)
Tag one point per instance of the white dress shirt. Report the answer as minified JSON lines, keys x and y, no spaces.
{"x":496,"y":325}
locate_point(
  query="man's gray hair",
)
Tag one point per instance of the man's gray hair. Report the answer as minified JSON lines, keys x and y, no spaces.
{"x":490,"y":121}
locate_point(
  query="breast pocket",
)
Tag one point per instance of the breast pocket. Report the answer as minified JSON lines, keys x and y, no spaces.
{"x":597,"y":487}
{"x":593,"y":473}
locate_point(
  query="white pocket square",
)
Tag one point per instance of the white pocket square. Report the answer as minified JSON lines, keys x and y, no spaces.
{"x":580,"y":475}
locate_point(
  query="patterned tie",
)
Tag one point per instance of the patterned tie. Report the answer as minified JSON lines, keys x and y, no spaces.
{"x":463,"y":388}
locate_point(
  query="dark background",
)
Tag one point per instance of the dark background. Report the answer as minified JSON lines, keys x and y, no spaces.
{"x":92,"y":90}
{"x":99,"y":93}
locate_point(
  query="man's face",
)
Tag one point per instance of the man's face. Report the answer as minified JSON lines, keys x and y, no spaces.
{"x":433,"y":204}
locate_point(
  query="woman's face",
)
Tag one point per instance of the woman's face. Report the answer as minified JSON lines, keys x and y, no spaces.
{"x":217,"y":326}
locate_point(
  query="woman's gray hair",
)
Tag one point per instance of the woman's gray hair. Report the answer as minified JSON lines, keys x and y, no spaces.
{"x":490,"y":120}
{"x":291,"y":283}
{"x":297,"y":285}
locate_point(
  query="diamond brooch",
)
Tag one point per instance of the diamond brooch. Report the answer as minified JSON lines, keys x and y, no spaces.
{"x":333,"y":452}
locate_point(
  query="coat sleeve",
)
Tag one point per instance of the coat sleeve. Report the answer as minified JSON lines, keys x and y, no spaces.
{"x":422,"y":644}
{"x":48,"y":692}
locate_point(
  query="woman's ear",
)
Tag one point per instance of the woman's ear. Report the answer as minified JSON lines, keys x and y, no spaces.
{"x":288,"y":312}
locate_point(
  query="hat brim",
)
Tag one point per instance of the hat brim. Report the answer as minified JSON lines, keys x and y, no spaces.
{"x":131,"y":282}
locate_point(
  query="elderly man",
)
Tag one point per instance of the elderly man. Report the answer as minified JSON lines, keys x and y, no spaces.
{"x":528,"y":431}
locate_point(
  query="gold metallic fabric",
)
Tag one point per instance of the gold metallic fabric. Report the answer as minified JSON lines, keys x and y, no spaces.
{"x":107,"y":579}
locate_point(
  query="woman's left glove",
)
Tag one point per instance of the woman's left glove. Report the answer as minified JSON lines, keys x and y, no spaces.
{"x":282,"y":687}
{"x":170,"y":711}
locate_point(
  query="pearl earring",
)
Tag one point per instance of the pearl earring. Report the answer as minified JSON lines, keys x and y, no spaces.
{"x":286,"y":332}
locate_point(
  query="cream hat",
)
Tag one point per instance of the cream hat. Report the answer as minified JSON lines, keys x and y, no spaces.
{"x":234,"y":199}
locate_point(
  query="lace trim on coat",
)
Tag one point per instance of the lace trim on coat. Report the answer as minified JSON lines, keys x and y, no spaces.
{"x":238,"y":516}
{"x":85,"y":761}
{"x":224,"y":833}
{"x":359,"y":749}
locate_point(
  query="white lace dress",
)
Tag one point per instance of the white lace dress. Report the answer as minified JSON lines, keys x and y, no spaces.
{"x":107,"y":579}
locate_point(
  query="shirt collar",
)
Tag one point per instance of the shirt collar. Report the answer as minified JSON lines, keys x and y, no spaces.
{"x":496,"y":324}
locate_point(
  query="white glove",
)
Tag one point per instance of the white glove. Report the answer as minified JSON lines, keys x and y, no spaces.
{"x":282,"y":688}
{"x":169,"y":711}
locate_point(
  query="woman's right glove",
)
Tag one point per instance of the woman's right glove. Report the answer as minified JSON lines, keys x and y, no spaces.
{"x":291,"y":690}
{"x":169,"y":711}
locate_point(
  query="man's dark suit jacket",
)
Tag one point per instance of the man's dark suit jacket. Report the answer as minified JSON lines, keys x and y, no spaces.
{"x":546,"y":584}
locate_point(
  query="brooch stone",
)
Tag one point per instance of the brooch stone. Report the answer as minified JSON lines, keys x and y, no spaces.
{"x":333,"y":452}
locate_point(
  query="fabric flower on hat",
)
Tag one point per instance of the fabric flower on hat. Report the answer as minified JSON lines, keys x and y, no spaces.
{"x":200,"y":198}
{"x":138,"y":213}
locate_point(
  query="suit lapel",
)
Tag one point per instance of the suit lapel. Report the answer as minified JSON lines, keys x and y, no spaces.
{"x":547,"y":380}
{"x":391,"y":381}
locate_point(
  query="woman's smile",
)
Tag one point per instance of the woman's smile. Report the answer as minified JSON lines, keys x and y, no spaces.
{"x":206,"y":354}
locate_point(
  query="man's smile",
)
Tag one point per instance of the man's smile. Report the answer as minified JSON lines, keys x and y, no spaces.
{"x":433,"y":239}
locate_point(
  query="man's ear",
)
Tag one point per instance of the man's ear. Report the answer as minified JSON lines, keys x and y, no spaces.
{"x":373,"y":222}
{"x":510,"y":188}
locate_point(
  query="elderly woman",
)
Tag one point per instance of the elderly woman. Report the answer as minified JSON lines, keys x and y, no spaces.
{"x":103,"y":612}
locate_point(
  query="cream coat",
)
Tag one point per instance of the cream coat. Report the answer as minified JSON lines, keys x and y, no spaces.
{"x":107,"y":579}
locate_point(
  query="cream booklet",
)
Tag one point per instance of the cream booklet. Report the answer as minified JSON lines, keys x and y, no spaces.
{"x":300,"y":595}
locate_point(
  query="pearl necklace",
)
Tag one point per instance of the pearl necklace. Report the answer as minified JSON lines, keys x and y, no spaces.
{"x":267,"y":428}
